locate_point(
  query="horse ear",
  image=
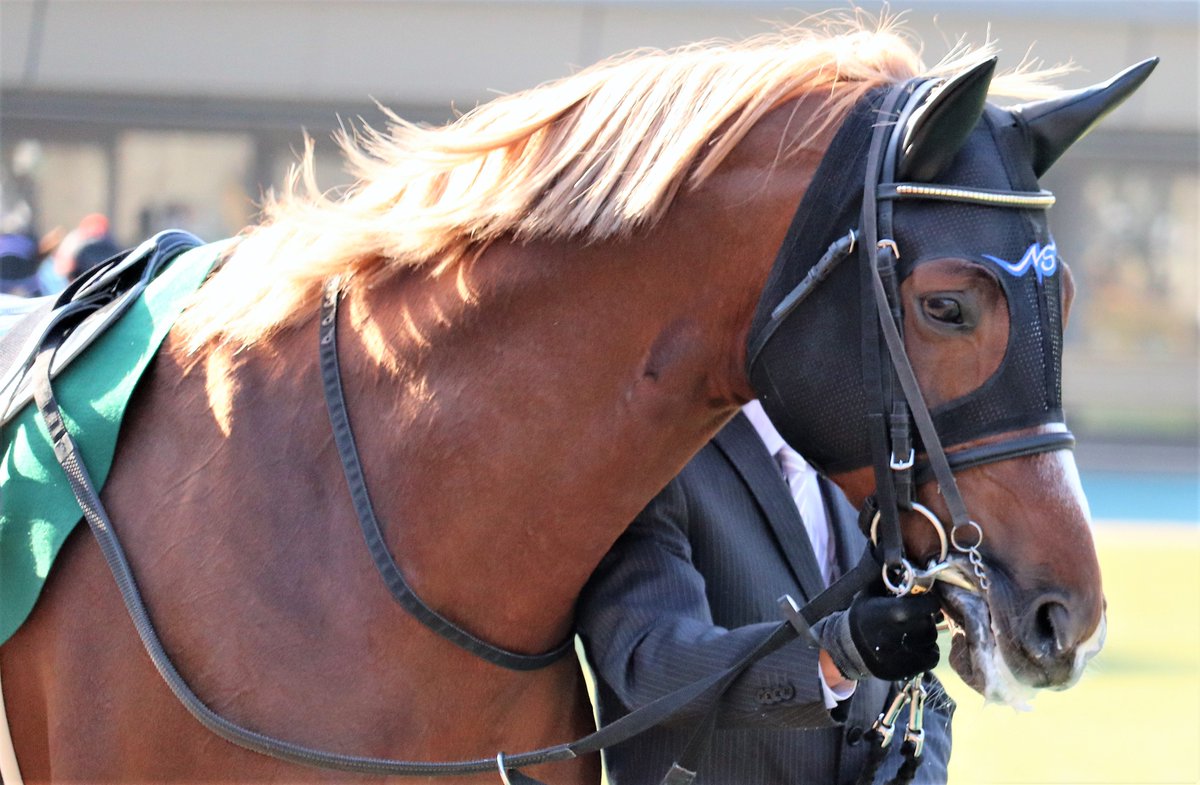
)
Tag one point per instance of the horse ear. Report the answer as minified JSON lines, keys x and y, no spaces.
{"x":939,"y":128}
{"x":1058,"y":123}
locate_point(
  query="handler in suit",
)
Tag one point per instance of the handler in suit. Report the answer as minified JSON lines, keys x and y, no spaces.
{"x":694,"y":583}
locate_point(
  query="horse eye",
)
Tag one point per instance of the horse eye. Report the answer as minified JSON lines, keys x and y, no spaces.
{"x":943,"y":309}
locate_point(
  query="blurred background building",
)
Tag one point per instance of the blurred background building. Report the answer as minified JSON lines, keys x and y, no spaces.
{"x":180,"y":114}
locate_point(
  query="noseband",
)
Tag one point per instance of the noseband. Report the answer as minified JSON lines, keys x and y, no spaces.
{"x":891,"y":396}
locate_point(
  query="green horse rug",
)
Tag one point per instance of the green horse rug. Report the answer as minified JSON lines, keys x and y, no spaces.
{"x":37,"y":508}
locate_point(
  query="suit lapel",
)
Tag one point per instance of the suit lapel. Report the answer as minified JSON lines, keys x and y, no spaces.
{"x":843,"y":519}
{"x":740,"y":443}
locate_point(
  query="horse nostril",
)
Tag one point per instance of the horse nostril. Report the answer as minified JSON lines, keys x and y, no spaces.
{"x":1053,"y":623}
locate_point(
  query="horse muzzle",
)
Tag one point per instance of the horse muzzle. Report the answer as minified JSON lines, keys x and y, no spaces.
{"x":1006,"y":648}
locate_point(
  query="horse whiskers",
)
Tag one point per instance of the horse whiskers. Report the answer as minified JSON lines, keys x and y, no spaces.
{"x":976,"y":629}
{"x":937,"y":697}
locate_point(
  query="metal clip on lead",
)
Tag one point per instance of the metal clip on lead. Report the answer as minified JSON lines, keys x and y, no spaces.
{"x":885,"y":724}
{"x":915,"y":733}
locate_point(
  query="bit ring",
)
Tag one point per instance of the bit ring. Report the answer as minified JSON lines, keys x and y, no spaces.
{"x":943,"y":544}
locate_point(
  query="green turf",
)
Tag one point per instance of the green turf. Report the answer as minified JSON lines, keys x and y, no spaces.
{"x":1135,"y":716}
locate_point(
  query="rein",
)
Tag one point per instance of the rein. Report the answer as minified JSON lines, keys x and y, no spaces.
{"x":343,"y":436}
{"x":709,"y":689}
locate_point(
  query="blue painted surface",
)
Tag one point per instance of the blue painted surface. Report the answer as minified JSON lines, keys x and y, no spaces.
{"x":1134,"y":496}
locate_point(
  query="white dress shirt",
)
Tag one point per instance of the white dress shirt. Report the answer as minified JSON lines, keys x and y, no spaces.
{"x":801,"y":479}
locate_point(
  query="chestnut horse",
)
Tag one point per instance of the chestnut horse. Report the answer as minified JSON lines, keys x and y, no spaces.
{"x":545,"y":312}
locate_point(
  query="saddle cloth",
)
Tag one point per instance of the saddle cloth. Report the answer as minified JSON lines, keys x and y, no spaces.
{"x":37,"y":508}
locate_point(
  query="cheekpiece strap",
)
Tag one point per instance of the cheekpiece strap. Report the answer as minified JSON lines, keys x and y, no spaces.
{"x":878,"y":254}
{"x":899,"y":389}
{"x":839,"y":250}
{"x":895,"y":468}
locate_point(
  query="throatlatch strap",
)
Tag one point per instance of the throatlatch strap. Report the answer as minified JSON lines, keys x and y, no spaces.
{"x":837,"y":251}
{"x":388,"y":570}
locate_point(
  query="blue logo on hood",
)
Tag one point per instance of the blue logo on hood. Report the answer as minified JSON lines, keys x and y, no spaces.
{"x":1043,"y":260}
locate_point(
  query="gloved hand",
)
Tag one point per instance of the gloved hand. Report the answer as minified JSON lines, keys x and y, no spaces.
{"x":891,"y":638}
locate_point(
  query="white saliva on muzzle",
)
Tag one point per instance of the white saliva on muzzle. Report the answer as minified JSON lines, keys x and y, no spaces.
{"x":975,"y":653}
{"x":978,"y":657}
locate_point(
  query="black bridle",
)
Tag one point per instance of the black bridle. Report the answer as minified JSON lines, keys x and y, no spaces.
{"x":894,"y":403}
{"x":894,"y":465}
{"x":892,"y":399}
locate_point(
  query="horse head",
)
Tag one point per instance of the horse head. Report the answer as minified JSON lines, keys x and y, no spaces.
{"x":938,"y":195}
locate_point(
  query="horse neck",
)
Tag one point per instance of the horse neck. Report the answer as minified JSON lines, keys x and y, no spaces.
{"x":515,"y":414}
{"x":515,"y":436}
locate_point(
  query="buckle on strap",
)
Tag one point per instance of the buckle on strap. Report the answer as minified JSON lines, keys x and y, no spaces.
{"x":898,"y":465}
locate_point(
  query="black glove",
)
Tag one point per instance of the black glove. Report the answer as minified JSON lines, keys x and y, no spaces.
{"x":891,"y":638}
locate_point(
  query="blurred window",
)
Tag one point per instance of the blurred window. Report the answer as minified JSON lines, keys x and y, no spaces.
{"x":1128,"y":233}
{"x":183,"y":180}
{"x":68,"y":180}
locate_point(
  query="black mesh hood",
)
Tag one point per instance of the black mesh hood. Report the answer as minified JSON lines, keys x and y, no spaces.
{"x":808,"y":371}
{"x":1016,"y":245}
{"x":808,"y":374}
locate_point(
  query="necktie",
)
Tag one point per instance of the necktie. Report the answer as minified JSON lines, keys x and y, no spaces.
{"x":806,"y":493}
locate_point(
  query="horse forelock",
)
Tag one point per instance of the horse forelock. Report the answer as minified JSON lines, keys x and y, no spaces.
{"x":593,"y":156}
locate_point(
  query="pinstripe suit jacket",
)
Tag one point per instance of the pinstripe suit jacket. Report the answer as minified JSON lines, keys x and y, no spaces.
{"x":692,"y":585}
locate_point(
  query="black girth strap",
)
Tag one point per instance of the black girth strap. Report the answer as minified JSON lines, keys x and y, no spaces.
{"x":343,"y":436}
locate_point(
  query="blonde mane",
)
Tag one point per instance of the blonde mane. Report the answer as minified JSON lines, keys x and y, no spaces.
{"x":593,"y":156}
